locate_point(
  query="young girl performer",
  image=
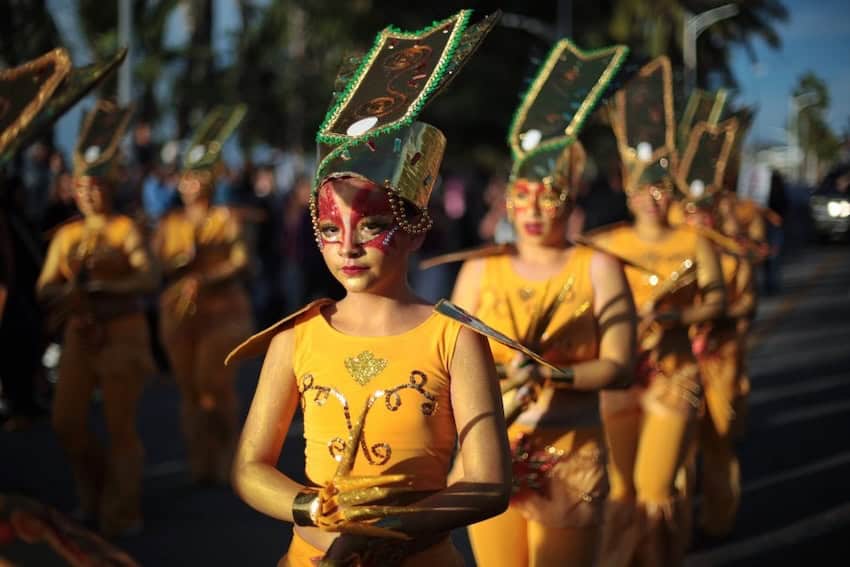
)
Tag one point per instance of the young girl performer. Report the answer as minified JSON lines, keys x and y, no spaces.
{"x":570,"y":302}
{"x":649,"y":426}
{"x":387,"y":387}
{"x":204,"y":309}
{"x":96,"y":270}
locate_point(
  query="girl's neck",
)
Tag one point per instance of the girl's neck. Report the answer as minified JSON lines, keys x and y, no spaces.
{"x":388,"y":313}
{"x":541,"y":254}
{"x":197,"y":210}
{"x":651,"y":229}
{"x":96,"y":220}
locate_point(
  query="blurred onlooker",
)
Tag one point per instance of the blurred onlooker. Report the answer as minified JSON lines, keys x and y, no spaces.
{"x":36,"y":180}
{"x":159,"y":193}
{"x":495,"y":226}
{"x":777,"y":201}
{"x":60,"y":202}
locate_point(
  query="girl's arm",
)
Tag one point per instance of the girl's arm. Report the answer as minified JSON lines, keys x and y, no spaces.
{"x":256,"y":478}
{"x":482,"y":490}
{"x":614,"y":310}
{"x":710,"y":282}
{"x":51,"y":283}
{"x":745,"y":306}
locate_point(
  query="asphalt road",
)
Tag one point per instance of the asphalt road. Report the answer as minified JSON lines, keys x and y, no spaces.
{"x":795,"y":458}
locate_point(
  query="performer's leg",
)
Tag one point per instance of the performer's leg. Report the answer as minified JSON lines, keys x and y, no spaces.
{"x":662,"y":448}
{"x":563,"y":546}
{"x":181,"y":350}
{"x":621,"y":528}
{"x":217,"y":393}
{"x":71,"y":403}
{"x":501,"y":541}
{"x":124,"y":365}
{"x":720,"y":475}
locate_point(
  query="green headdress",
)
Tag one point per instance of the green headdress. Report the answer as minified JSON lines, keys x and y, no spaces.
{"x":565,"y":91}
{"x":204,"y":151}
{"x":700,"y":174}
{"x":36,"y":93}
{"x":370,"y":131}
{"x":99,"y":144}
{"x":644,"y":125}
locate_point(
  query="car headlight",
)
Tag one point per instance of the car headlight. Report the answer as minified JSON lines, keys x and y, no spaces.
{"x":838,"y":209}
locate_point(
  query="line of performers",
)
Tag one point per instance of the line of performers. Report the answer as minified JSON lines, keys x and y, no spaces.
{"x":558,"y":405}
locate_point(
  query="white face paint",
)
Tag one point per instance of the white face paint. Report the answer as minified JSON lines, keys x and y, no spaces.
{"x":697,"y":188}
{"x":91,"y":154}
{"x":362,"y":126}
{"x":196,"y":153}
{"x":530,"y":139}
{"x":644,"y":151}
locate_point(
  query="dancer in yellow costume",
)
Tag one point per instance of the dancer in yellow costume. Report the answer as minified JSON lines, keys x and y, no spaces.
{"x":570,"y":302}
{"x":93,"y":277}
{"x":387,"y":387}
{"x":651,"y":425}
{"x":719,"y":344}
{"x":204,"y":310}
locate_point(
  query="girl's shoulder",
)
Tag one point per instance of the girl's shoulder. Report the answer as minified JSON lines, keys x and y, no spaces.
{"x":258,"y":344}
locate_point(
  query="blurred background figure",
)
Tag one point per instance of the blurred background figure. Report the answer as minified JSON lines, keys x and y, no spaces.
{"x":778,"y":203}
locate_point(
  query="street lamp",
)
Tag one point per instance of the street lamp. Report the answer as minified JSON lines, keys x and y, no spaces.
{"x":694,"y":25}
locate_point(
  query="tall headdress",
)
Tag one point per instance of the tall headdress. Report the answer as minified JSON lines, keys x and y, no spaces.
{"x":700,"y":174}
{"x":370,"y":130}
{"x":643,"y":122}
{"x":99,"y":144}
{"x":204,"y":151}
{"x":543,"y":135}
{"x":36,"y":93}
{"x":702,"y":106}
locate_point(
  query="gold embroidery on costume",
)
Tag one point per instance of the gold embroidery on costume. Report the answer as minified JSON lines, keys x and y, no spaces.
{"x":364,"y":367}
{"x":377,"y":453}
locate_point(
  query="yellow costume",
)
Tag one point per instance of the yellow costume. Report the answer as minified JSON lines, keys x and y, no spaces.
{"x":557,"y":517}
{"x":95,"y":271}
{"x":197,"y":330}
{"x":409,"y":427}
{"x":106,"y":345}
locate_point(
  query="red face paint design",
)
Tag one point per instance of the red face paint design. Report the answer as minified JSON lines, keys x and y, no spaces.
{"x":366,"y":223}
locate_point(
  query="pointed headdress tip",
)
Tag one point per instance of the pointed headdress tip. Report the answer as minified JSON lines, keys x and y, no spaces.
{"x":98,"y":148}
{"x":207,"y":143}
{"x":642,"y":117}
{"x":702,"y":170}
{"x":565,"y":91}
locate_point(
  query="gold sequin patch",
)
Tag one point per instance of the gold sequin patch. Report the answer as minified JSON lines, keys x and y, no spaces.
{"x":364,"y":367}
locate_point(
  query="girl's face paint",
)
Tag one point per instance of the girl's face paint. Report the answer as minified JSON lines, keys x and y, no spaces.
{"x":539,"y":214}
{"x":361,"y":242}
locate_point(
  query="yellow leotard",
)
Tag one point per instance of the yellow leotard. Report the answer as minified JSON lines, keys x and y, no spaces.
{"x":405,"y":378}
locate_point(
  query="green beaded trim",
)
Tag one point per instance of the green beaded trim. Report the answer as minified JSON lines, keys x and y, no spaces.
{"x":590,"y":101}
{"x":436,"y":79}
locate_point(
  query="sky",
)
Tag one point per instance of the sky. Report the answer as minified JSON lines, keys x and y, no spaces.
{"x":816,"y":37}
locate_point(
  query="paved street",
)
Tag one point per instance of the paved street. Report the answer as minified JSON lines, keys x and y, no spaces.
{"x":795,"y":459}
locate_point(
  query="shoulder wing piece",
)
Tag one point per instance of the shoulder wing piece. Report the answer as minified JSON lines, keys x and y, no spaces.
{"x":464,"y":255}
{"x":259,"y":343}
